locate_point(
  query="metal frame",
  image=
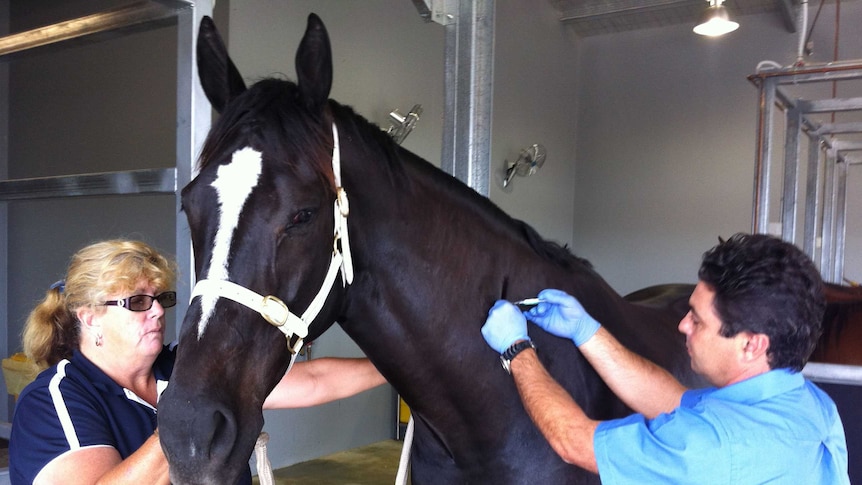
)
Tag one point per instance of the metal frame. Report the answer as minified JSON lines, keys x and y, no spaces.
{"x":849,"y":375}
{"x":193,"y":116}
{"x":827,"y":157}
{"x":142,"y":13}
{"x":469,"y":79}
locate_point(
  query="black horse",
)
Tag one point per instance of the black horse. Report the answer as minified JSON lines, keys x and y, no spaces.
{"x":426,"y":259}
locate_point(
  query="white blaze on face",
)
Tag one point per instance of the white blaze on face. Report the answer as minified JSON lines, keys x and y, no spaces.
{"x":234,"y":183}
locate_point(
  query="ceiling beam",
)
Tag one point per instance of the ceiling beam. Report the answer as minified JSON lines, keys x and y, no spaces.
{"x":587,"y":11}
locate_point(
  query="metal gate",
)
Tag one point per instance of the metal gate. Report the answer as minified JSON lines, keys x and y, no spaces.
{"x":193,"y":116}
{"x":832,"y":147}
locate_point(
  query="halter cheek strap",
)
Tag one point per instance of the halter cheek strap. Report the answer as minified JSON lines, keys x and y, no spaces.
{"x":271,"y":308}
{"x":342,"y":210}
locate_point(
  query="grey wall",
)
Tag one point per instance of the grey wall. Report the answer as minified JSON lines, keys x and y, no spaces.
{"x":535,"y":101}
{"x":385,"y":57}
{"x":666,"y":142}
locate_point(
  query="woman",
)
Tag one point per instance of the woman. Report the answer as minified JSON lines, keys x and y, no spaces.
{"x":90,"y":417}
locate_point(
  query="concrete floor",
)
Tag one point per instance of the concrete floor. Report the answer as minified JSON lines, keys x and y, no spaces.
{"x":374,"y":464}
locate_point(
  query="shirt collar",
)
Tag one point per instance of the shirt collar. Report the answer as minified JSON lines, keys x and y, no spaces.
{"x":762,"y":386}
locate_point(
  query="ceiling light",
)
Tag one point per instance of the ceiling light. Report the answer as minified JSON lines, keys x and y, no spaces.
{"x":715,"y":20}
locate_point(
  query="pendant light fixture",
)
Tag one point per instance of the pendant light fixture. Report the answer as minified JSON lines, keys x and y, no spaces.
{"x":715,"y":20}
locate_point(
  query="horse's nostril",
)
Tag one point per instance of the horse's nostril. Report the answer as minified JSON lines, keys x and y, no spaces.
{"x":204,"y":440}
{"x":222,"y":434}
{"x":210,"y":431}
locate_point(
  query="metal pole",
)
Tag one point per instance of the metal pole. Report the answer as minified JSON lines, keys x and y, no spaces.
{"x":827,"y":260}
{"x":469,"y":79}
{"x":791,"y":174}
{"x":194,"y":116}
{"x":840,"y":221}
{"x":763,"y":157}
{"x":813,"y":197}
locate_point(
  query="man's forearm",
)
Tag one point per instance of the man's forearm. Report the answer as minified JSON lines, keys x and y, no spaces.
{"x":559,"y":418}
{"x":641,"y":384}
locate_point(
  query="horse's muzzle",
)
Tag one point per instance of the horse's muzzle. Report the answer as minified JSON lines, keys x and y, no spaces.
{"x":203,"y":441}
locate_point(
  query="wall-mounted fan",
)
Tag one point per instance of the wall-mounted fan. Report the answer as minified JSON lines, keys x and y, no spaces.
{"x":529,"y":162}
{"x":402,"y":125}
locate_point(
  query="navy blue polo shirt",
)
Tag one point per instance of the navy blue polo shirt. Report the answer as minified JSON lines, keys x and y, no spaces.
{"x":74,"y":405}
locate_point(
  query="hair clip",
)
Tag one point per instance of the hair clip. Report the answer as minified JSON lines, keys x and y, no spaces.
{"x":59,"y":286}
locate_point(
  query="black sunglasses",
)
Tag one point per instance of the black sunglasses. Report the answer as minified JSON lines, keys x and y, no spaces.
{"x":142,"y":303}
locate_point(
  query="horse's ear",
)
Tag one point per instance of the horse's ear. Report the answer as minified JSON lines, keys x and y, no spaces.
{"x":219,"y":76}
{"x":314,"y":64}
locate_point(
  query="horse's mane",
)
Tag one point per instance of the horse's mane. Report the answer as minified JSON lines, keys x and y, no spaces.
{"x":559,"y":254}
{"x":373,"y":135}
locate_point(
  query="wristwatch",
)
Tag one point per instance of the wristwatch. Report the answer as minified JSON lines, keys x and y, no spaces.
{"x":515,"y":349}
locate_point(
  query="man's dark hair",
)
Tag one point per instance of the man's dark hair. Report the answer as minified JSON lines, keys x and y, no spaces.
{"x":765,"y":285}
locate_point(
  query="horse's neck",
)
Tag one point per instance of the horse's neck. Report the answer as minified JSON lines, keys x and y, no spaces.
{"x":428,"y":238}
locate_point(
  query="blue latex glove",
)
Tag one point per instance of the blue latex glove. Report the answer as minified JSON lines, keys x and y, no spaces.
{"x":505,"y":325}
{"x":562,"y":315}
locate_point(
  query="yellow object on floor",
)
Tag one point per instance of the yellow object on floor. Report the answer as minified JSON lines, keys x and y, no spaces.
{"x":403,"y":411}
{"x":18,"y":371}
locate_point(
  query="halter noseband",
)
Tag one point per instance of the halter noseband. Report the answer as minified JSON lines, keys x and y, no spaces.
{"x":271,"y":308}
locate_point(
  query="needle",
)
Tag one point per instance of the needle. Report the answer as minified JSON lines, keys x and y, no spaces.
{"x":529,"y":302}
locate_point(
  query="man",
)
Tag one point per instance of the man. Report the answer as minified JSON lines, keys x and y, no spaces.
{"x":753,"y":321}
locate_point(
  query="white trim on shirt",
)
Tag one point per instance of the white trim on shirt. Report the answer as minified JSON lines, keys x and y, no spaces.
{"x":60,"y":406}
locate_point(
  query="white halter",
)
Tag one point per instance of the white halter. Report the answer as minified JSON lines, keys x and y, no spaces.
{"x":271,"y":308}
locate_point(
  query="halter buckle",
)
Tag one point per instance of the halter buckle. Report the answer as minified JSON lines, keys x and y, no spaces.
{"x":294,"y":343}
{"x":274,"y":311}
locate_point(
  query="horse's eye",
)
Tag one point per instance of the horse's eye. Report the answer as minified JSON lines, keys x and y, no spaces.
{"x":301,"y":217}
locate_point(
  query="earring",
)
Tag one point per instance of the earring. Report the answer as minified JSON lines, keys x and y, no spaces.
{"x":98,"y":340}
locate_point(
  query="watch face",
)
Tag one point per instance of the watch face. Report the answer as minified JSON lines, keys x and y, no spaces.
{"x":507,"y":364}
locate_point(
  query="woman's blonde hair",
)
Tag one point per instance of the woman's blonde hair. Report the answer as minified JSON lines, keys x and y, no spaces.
{"x":52,"y":331}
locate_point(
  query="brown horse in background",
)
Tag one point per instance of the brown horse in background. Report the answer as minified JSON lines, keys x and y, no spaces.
{"x":840,"y":342}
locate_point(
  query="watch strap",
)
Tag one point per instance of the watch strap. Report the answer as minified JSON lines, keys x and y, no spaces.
{"x":513,"y":350}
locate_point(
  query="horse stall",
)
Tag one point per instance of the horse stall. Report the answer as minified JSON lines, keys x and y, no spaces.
{"x":650,"y":134}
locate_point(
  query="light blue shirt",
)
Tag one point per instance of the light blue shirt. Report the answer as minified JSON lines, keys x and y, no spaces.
{"x":777,"y":427}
